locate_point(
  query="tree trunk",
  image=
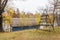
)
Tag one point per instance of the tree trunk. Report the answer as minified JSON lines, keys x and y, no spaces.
{"x":1,"y":19}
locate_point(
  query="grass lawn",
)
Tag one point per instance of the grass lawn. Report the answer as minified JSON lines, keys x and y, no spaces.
{"x":32,"y":35}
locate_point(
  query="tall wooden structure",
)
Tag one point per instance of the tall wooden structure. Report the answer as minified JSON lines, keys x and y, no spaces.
{"x":2,"y":6}
{"x":45,"y":21}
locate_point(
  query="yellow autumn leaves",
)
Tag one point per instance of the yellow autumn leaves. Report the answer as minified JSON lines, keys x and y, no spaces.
{"x":28,"y":19}
{"x":38,"y":18}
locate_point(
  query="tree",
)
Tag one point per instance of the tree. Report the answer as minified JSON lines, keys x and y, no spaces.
{"x":54,"y":8}
{"x":2,"y":6}
{"x":56,"y":11}
{"x":37,"y":18}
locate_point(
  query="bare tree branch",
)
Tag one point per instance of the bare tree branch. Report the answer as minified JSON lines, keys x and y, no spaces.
{"x":2,"y":5}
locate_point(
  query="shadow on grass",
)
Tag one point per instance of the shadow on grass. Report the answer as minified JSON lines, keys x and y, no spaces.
{"x":23,"y":28}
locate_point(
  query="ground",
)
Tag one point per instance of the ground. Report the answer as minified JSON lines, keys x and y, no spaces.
{"x":31,"y":34}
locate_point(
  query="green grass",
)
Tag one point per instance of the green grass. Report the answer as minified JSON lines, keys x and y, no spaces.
{"x":32,"y":35}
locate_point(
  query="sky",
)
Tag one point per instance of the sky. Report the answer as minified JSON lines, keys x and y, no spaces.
{"x":27,"y":5}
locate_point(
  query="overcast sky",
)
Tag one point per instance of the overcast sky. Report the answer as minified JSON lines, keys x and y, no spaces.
{"x":28,"y":5}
